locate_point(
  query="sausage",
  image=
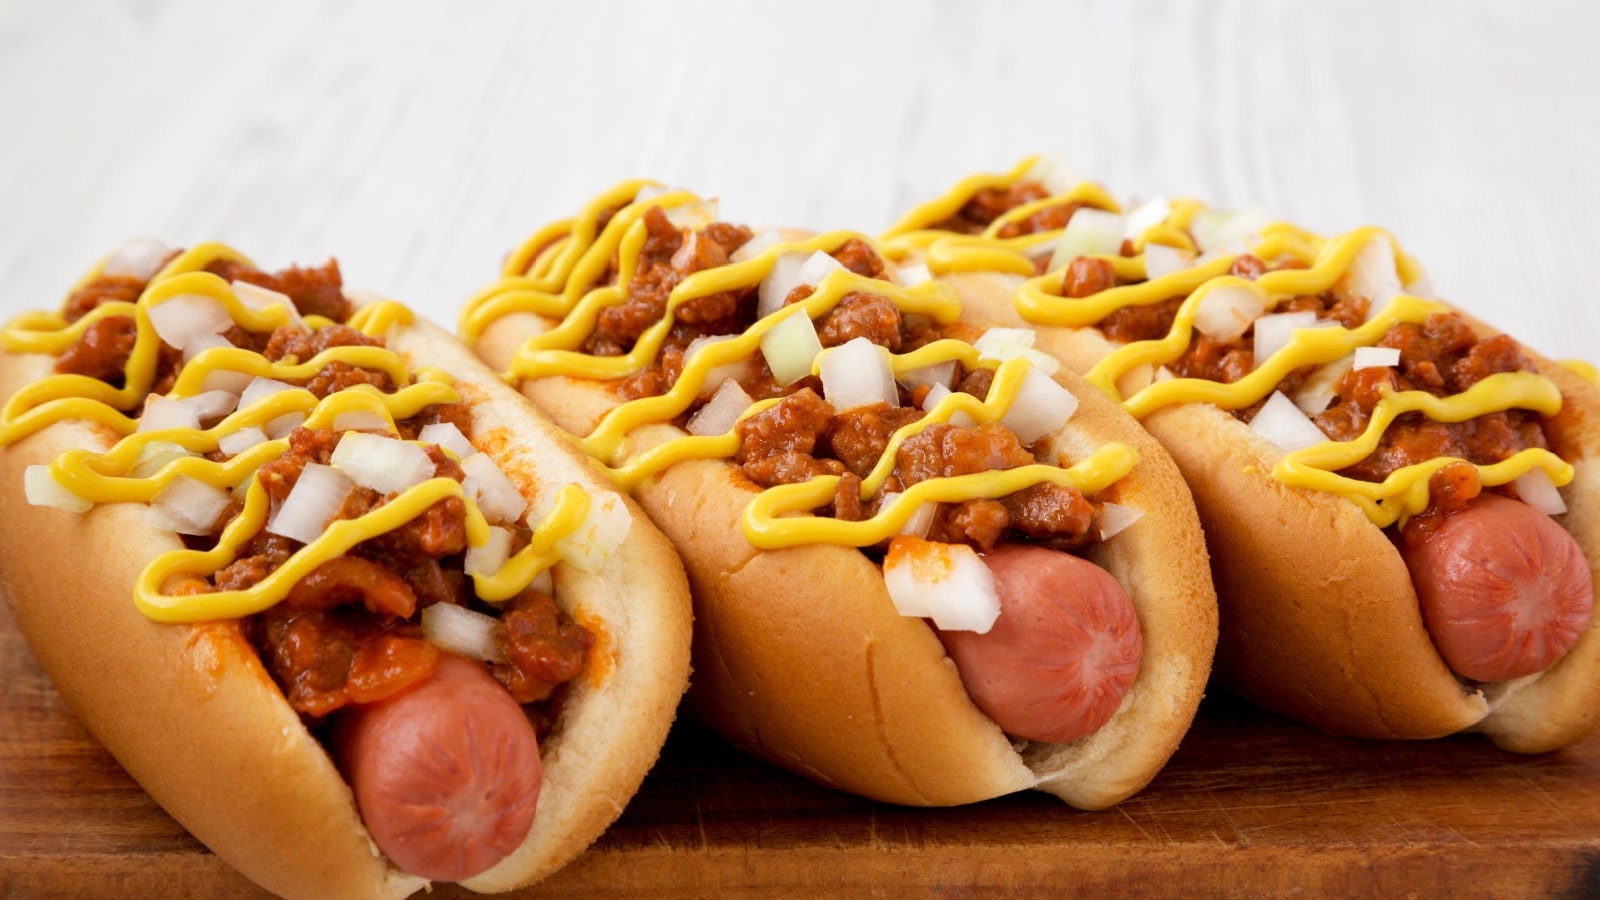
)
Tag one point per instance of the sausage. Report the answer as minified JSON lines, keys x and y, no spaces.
{"x":446,"y":775}
{"x":1504,"y":590}
{"x":1062,"y":654}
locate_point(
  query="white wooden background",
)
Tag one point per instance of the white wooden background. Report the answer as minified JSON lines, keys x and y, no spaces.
{"x":418,"y":141}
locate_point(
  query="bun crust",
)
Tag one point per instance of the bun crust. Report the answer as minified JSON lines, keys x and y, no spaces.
{"x":825,"y":678}
{"x":1319,"y":619}
{"x":193,"y":716}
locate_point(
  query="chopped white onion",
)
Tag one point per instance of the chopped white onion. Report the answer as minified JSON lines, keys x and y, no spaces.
{"x":1115,"y":518}
{"x":154,"y":456}
{"x":948,"y":583}
{"x":544,"y":583}
{"x":1538,"y":491}
{"x":200,"y":343}
{"x":42,"y":489}
{"x":1373,"y":275}
{"x":752,"y":248}
{"x":225,"y":380}
{"x":492,"y":555}
{"x":1376,"y":357}
{"x":818,"y":266}
{"x":496,"y":495}
{"x":464,"y":632}
{"x":1231,"y":248}
{"x":139,"y":258}
{"x":693,"y":215}
{"x":1054,"y":173}
{"x":1316,"y":392}
{"x":241,"y":440}
{"x":958,"y":418}
{"x":316,"y":498}
{"x":1150,"y":213}
{"x":1422,"y":287}
{"x":1285,"y":426}
{"x":720,"y":413}
{"x":259,"y":298}
{"x":1274,"y":331}
{"x":1161,"y":261}
{"x":1214,"y":228}
{"x":385,"y":464}
{"x":1225,"y":312}
{"x":599,"y":536}
{"x":211,"y":405}
{"x":921,"y":519}
{"x":790,"y":347}
{"x":650,"y":192}
{"x":188,"y":506}
{"x":180,"y":319}
{"x":1041,"y":408}
{"x":911,"y":276}
{"x":361,"y":420}
{"x":282,"y":425}
{"x":1090,"y":232}
{"x":447,"y":436}
{"x":739,"y":369}
{"x":784,"y":278}
{"x":259,"y":388}
{"x":857,"y":373}
{"x":162,"y":412}
{"x":938,"y":373}
{"x":1001,"y":344}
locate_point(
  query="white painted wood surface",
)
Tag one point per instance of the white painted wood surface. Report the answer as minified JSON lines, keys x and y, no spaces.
{"x":418,"y":141}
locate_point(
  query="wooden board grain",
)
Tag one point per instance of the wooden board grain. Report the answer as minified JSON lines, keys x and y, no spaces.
{"x":1251,"y":805}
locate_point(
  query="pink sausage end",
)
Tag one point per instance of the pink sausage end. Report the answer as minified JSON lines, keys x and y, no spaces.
{"x":1064,"y":651}
{"x":446,"y":775}
{"x":1504,"y":590}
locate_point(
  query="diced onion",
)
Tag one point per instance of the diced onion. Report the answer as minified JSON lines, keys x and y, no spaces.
{"x":1213,"y":228}
{"x":1422,"y":287}
{"x":599,"y":536}
{"x":1373,"y":275}
{"x":154,"y":456}
{"x":1273,"y":331}
{"x":752,"y":248}
{"x":488,"y":559}
{"x":1001,"y":344}
{"x":693,"y":215}
{"x":464,"y":632}
{"x":1150,"y":213}
{"x":241,"y":440}
{"x":1090,"y":232}
{"x":1376,"y":357}
{"x":139,"y":258}
{"x":650,"y":192}
{"x":188,"y":506}
{"x":857,"y":373}
{"x":361,"y":420}
{"x":496,"y":495}
{"x":447,"y":436}
{"x":938,"y":373}
{"x":790,"y":348}
{"x":1161,"y":261}
{"x":921,"y":519}
{"x":211,"y":405}
{"x":42,"y":489}
{"x":282,"y":425}
{"x":186,"y":316}
{"x":739,"y":369}
{"x":1232,"y":248}
{"x":200,"y":343}
{"x":259,"y":298}
{"x":784,"y":278}
{"x":1285,"y":426}
{"x":544,"y":583}
{"x":1115,"y":518}
{"x":938,"y":392}
{"x":1316,"y":392}
{"x":818,"y":265}
{"x":259,"y":388}
{"x":1041,"y":408}
{"x":161,"y":413}
{"x":911,"y":276}
{"x":385,"y":464}
{"x":316,"y":497}
{"x":720,"y":413}
{"x":948,"y":583}
{"x":1538,"y":491}
{"x":1054,"y":173}
{"x":225,"y":380}
{"x":1226,"y":312}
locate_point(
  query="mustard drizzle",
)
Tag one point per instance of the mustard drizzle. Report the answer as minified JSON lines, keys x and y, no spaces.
{"x":1405,"y":492}
{"x":563,"y":282}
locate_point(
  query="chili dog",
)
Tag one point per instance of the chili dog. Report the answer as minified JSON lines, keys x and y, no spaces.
{"x":1397,"y":499}
{"x":846,"y":514}
{"x":341,"y":601}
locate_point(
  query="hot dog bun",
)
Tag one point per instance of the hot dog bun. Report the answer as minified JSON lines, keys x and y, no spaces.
{"x":192,"y":714}
{"x":802,"y":659}
{"x":1319,"y":617}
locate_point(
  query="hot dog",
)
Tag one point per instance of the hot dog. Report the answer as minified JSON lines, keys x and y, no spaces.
{"x":842,"y":525}
{"x":1395,"y":496}
{"x":341,"y":601}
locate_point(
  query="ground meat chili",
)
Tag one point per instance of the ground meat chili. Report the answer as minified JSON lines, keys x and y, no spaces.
{"x":347,"y":632}
{"x":801,"y":437}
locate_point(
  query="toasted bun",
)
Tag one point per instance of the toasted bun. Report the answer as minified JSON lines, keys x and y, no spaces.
{"x":825,"y":678}
{"x":193,"y":716}
{"x":1319,"y":619}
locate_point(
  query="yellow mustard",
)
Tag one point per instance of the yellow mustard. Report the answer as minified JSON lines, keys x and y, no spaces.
{"x":118,"y":475}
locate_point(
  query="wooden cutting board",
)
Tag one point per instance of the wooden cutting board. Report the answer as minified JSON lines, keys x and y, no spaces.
{"x":1251,"y":805}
